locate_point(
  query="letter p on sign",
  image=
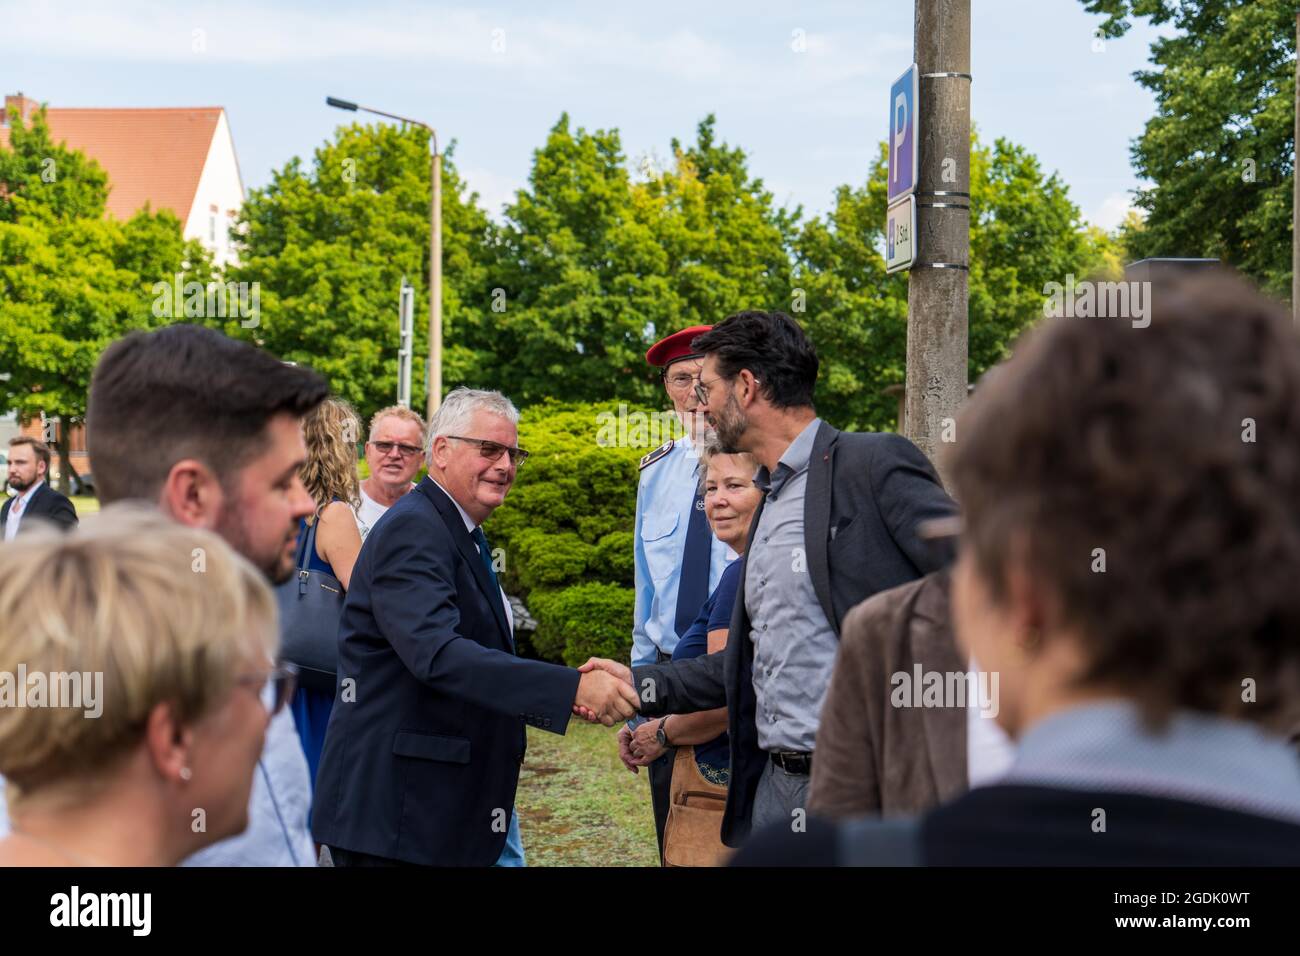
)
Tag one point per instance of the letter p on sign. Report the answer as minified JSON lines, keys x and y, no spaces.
{"x":900,"y":131}
{"x":903,"y":157}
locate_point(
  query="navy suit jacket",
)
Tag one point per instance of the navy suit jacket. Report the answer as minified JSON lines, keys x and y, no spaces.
{"x":47,"y":505}
{"x":422,"y":751}
{"x":867,"y":494}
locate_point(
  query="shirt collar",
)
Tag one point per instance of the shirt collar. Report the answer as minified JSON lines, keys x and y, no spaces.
{"x":469,"y":522}
{"x":1197,"y":756}
{"x":26,"y":496}
{"x":792,"y":461}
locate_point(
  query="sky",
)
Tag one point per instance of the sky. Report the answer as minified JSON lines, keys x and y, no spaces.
{"x":802,"y":87}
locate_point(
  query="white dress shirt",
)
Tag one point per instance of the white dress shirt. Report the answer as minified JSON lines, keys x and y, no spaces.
{"x":18,"y":509}
{"x":989,"y":750}
{"x":470,"y":526}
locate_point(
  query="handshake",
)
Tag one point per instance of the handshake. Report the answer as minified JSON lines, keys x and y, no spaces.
{"x":605,"y":692}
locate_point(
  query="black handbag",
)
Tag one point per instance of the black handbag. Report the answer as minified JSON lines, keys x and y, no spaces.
{"x":311,"y":604}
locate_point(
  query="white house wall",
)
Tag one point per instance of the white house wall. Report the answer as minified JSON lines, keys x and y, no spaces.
{"x":220,"y":186}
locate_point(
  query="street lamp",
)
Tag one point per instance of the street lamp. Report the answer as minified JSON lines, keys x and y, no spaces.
{"x":435,"y":252}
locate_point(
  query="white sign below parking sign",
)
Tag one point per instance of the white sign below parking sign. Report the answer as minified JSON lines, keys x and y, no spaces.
{"x":900,"y":234}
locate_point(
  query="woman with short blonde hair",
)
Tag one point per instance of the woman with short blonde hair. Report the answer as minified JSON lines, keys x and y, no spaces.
{"x":133,"y":656}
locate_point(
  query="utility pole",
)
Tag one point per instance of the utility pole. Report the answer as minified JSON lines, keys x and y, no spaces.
{"x":937,"y":284}
{"x":435,"y":285}
{"x":405,"y":335}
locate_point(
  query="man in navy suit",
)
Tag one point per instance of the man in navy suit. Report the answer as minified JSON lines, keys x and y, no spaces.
{"x":427,"y":735}
{"x":29,"y":468}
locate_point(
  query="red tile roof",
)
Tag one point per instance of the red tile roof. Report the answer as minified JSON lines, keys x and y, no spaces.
{"x":150,"y":155}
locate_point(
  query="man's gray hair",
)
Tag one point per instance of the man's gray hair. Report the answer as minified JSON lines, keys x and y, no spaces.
{"x":454,"y":414}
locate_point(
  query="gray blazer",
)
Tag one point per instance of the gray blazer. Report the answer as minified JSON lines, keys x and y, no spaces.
{"x":866,"y":494}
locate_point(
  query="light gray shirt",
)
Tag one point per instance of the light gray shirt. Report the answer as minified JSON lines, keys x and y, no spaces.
{"x":279,"y":805}
{"x":1196,"y":757}
{"x":794,"y":644}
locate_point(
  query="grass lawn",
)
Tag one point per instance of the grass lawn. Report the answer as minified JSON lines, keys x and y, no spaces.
{"x":85,"y":504}
{"x":579,"y":806}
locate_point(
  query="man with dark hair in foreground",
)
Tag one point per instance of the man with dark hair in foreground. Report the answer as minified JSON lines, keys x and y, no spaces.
{"x":210,"y":430}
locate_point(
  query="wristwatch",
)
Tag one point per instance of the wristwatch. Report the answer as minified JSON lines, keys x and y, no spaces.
{"x":660,"y":735}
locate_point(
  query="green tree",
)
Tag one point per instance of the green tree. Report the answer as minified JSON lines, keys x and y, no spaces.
{"x":329,"y":246}
{"x":71,"y":281}
{"x":1025,"y":231}
{"x":66,"y":183}
{"x":594,"y":265}
{"x":1220,"y":151}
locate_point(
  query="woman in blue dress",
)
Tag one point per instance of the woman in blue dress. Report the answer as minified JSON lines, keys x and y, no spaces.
{"x":330,"y":476}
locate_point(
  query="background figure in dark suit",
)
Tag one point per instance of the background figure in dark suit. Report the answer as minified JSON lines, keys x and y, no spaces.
{"x":427,"y":735}
{"x":1145,"y":643}
{"x":837,"y":523}
{"x":29,"y":469}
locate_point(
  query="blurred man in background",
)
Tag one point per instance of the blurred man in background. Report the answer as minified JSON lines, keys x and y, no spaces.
{"x":29,"y":469}
{"x":393,"y":455}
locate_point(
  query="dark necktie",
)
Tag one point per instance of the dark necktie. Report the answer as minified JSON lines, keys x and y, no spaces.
{"x":485,"y":555}
{"x":693,"y":585}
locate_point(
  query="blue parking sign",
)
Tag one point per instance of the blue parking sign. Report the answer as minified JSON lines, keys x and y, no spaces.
{"x":903,"y":119}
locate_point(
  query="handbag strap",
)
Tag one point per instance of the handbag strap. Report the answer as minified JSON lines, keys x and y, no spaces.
{"x":307,"y":545}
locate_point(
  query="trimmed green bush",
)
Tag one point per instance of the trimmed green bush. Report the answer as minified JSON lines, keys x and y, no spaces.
{"x":582,"y":621}
{"x":613,"y":560}
{"x":551,"y":560}
{"x":566,"y":530}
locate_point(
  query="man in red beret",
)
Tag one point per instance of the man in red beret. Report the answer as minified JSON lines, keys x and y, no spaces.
{"x":678,"y":560}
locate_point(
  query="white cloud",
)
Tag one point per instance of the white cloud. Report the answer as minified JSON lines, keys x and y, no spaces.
{"x":494,"y":190}
{"x":405,"y":32}
{"x":1112,"y":211}
{"x":242,"y":31}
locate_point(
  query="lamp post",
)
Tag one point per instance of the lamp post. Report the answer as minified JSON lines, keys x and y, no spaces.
{"x":435,"y":252}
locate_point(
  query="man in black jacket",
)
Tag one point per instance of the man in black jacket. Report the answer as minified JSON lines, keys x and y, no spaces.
{"x":29,"y":468}
{"x":838,"y":522}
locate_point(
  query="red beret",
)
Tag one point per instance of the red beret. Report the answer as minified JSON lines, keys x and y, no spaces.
{"x":674,"y":347}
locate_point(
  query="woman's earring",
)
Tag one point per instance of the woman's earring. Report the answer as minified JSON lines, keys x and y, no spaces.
{"x":186,"y":773}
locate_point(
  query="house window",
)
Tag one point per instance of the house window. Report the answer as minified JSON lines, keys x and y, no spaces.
{"x":212,"y":229}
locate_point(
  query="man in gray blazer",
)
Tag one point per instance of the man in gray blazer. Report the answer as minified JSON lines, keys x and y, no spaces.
{"x":838,"y":522}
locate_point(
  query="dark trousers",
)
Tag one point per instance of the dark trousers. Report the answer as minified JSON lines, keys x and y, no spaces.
{"x":343,"y":857}
{"x":661,"y":781}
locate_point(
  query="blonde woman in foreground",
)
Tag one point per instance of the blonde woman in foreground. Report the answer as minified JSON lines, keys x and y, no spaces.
{"x":154,"y":643}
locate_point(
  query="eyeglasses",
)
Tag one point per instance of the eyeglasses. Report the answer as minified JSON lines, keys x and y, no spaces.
{"x":679,"y":380}
{"x":385,"y":447}
{"x":492,"y":450}
{"x":702,"y":389}
{"x":281,"y":679}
